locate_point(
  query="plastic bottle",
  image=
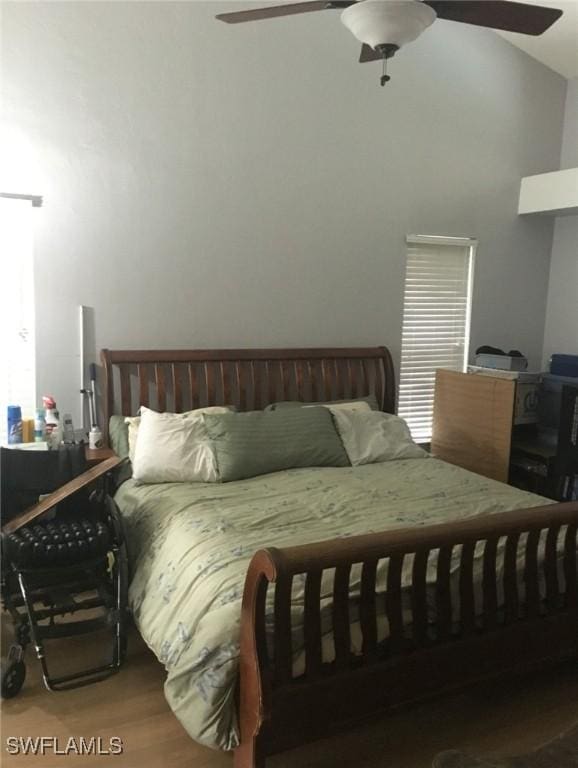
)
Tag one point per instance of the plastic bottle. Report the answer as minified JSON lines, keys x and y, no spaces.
{"x":95,"y":438}
{"x":27,"y":430}
{"x":40,"y":426}
{"x":57,"y":432}
{"x":53,"y":428}
{"x":14,"y":424}
{"x":67,"y":429}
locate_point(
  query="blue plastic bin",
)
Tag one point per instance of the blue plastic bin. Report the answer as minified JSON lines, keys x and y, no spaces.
{"x":551,"y":399}
{"x":564,"y":365}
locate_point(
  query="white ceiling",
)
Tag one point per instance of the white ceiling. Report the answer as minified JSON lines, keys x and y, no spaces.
{"x":558,"y":46}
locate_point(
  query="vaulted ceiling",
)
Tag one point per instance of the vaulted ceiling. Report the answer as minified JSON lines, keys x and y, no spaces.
{"x":558,"y":46}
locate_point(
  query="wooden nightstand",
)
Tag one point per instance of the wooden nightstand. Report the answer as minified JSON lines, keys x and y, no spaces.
{"x":93,"y":455}
{"x":96,"y":455}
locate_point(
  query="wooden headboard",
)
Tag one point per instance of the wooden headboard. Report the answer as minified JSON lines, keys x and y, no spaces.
{"x":180,"y":380}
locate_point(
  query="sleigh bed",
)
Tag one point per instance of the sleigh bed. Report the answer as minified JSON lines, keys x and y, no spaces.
{"x":332,"y":630}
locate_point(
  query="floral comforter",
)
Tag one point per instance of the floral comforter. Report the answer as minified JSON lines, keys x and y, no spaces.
{"x":190,"y":546}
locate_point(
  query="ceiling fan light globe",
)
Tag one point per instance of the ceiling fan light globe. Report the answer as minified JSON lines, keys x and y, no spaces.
{"x":388,"y":22}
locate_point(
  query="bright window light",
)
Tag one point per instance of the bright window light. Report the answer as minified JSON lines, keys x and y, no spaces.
{"x":17,"y":344}
{"x":436,"y":322}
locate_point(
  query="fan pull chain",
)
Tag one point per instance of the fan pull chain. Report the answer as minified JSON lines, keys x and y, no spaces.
{"x":384,"y":77}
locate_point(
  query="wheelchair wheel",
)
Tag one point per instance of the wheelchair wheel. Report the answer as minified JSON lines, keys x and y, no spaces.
{"x":12,"y":678}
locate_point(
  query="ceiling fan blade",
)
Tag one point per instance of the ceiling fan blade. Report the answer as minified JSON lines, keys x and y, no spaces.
{"x":498,"y":14}
{"x":369,"y":54}
{"x":238,"y":17}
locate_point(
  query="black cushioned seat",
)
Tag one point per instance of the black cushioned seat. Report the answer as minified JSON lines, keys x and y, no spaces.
{"x":68,"y":561}
{"x":53,"y":544}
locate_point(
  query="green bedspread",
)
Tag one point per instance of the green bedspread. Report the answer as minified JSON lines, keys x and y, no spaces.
{"x":190,"y":546}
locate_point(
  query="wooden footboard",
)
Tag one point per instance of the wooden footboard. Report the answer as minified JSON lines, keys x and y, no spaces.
{"x":521,"y":612}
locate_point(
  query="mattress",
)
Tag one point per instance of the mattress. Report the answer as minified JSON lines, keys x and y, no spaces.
{"x":190,"y":546}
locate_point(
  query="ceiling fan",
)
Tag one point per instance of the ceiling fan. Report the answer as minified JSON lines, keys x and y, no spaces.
{"x":384,"y":26}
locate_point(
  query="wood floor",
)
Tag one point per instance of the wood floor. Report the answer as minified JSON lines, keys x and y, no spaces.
{"x":489,"y":720}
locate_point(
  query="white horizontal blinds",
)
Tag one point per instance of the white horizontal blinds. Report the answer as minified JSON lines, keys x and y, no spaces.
{"x":435,"y":332}
{"x":17,"y":367}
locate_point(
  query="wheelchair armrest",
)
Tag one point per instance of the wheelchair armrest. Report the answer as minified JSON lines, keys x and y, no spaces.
{"x":68,"y":489}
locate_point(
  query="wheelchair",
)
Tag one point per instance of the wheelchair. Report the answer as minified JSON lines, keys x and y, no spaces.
{"x":62,"y":557}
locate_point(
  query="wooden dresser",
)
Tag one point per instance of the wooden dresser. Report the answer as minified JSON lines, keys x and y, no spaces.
{"x":472,"y":422}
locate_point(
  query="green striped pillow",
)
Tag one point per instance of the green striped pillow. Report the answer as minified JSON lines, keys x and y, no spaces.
{"x":258,"y":442}
{"x":371,"y":401}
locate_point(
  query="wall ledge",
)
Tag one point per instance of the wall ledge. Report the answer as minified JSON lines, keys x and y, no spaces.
{"x":554,"y":194}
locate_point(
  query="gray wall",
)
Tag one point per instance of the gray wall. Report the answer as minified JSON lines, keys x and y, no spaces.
{"x":212,"y":186}
{"x":561,"y":333}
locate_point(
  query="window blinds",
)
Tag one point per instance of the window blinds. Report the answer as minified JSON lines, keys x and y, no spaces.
{"x":436,"y":320}
{"x":17,"y":378}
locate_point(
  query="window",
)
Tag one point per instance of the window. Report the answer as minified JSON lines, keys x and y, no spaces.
{"x":436,"y":322}
{"x":17,"y":380}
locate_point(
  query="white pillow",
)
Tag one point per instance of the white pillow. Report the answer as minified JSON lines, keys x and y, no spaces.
{"x":134,"y":423}
{"x":370,"y":437}
{"x":174,"y":448}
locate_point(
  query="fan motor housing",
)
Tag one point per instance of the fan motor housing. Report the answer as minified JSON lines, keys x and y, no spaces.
{"x":384,"y":22}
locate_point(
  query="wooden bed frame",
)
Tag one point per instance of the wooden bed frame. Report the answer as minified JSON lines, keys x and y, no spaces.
{"x":492,"y":636}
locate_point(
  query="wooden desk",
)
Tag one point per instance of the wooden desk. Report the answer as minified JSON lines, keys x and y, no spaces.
{"x":473,"y":428}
